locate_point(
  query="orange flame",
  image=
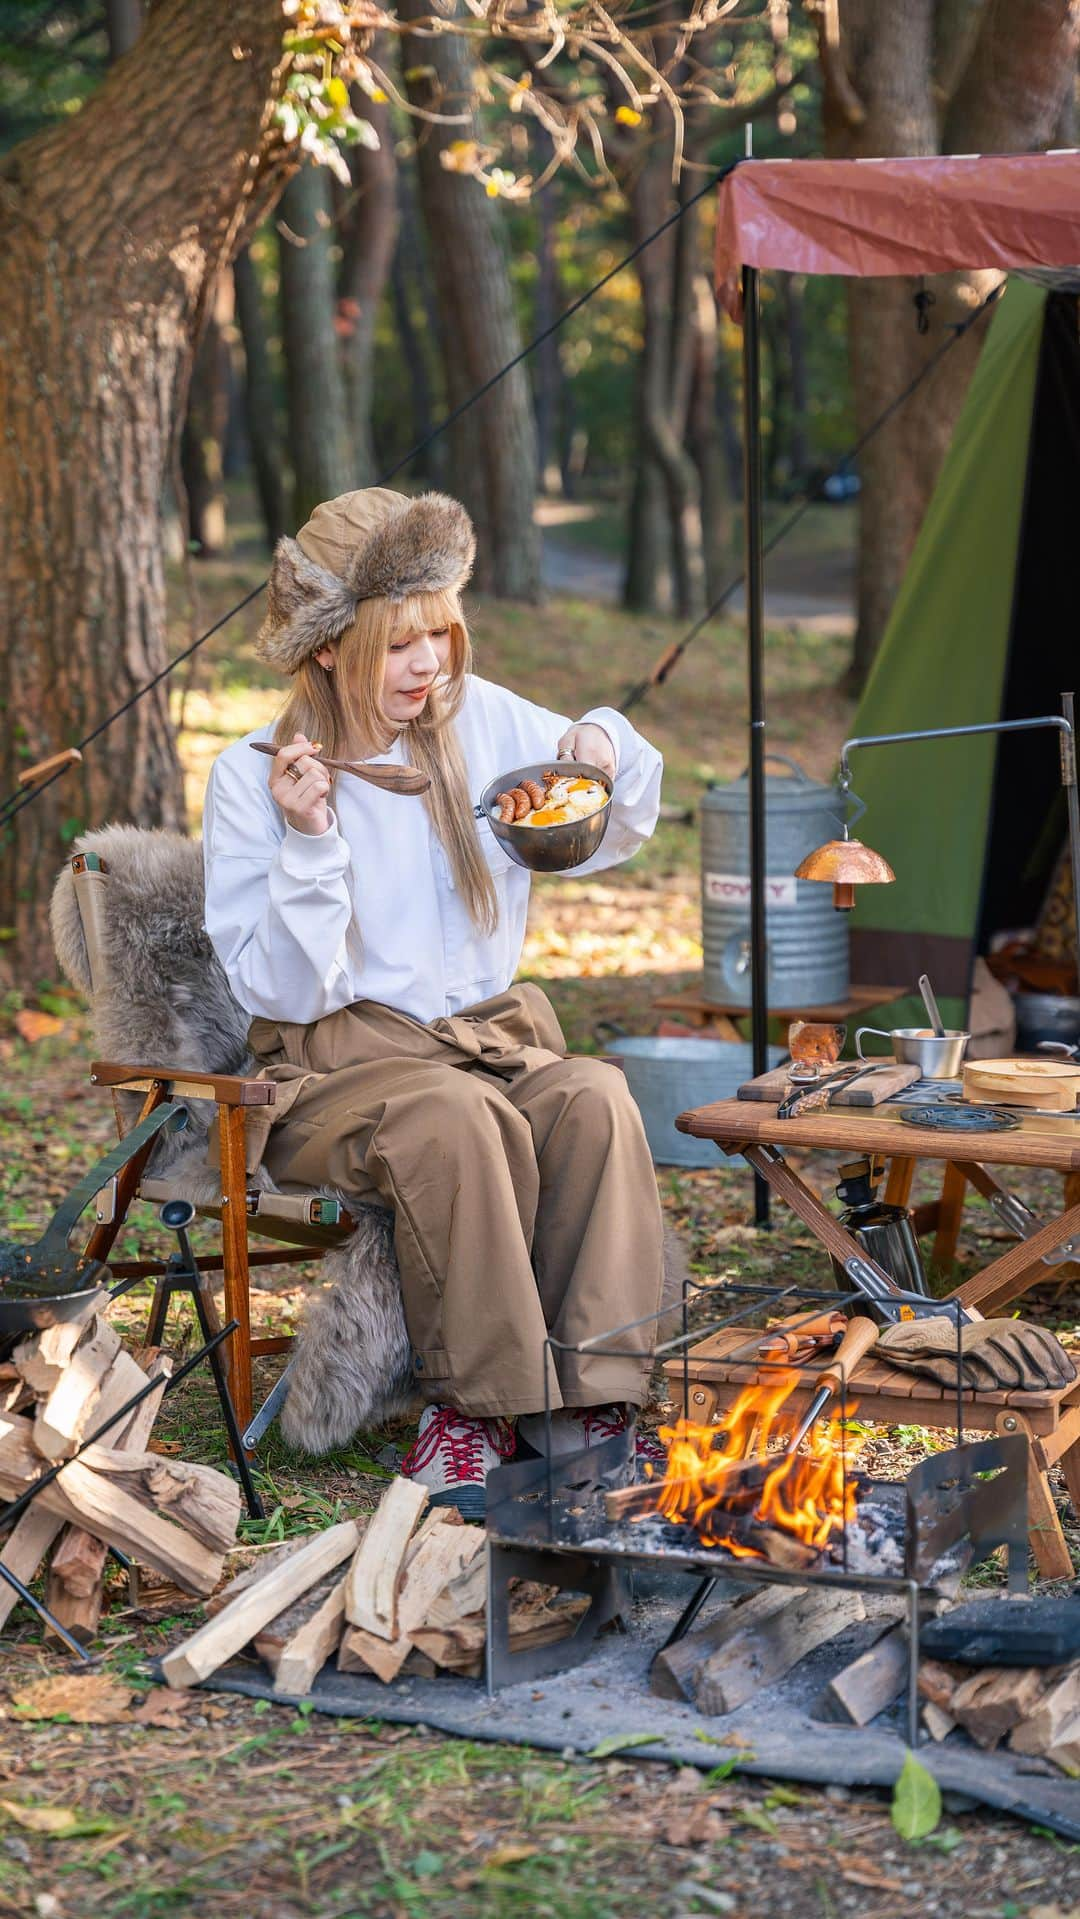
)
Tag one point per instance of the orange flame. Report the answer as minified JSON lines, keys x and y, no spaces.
{"x":735,"y":1469}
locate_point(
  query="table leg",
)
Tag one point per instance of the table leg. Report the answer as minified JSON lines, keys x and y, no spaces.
{"x":1048,"y":1543}
{"x":702,"y":1403}
{"x":949,"y":1214}
{"x":898,"y":1184}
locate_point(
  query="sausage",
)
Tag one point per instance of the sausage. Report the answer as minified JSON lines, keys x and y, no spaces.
{"x":522,"y":802}
{"x":505,"y":807}
{"x":535,"y":791}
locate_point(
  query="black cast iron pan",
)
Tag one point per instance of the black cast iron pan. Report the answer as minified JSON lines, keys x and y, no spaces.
{"x":47,"y":1282}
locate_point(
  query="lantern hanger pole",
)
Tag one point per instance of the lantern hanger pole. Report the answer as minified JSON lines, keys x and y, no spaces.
{"x":753,"y":519}
{"x":1062,"y":722}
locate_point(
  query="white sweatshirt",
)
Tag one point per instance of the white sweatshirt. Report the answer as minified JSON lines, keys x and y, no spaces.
{"x":307,"y":923}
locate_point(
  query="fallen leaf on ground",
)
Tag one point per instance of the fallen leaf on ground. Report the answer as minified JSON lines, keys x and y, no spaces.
{"x":510,"y":1855}
{"x":878,"y":1880}
{"x":54,"y":1822}
{"x":93,"y":1699}
{"x":168,"y":1446}
{"x":162,"y":1707}
{"x":32,"y":1025}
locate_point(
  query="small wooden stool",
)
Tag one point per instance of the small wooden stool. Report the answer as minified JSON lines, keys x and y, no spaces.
{"x":888,"y":1397}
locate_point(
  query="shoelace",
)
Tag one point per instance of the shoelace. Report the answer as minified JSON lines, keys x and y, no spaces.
{"x":462,"y":1438}
{"x":600,"y":1423}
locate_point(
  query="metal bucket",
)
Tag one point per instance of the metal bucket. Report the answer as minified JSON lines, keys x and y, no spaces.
{"x":668,"y":1076}
{"x":807,"y":939}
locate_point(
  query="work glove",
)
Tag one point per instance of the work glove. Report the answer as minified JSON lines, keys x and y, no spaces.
{"x":995,"y":1355}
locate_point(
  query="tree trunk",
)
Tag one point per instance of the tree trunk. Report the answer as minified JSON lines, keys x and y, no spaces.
{"x":110,"y":234}
{"x":665,"y":272}
{"x":314,"y":386}
{"x":493,"y":445}
{"x":416,"y":317}
{"x":202,"y":442}
{"x":703,"y":440}
{"x":1011,"y":73}
{"x":368,"y":233}
{"x":259,"y":398}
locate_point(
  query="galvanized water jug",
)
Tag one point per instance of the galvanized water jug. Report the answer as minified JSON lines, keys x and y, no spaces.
{"x":807,"y":939}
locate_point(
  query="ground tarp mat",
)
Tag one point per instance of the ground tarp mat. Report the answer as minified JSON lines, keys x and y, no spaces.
{"x":607,"y":1699}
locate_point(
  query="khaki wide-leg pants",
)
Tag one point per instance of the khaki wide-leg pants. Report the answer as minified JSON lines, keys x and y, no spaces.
{"x":521,"y":1183}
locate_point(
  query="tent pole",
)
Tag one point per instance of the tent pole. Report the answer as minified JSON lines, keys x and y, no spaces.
{"x":1069,"y":778}
{"x":755,"y":650}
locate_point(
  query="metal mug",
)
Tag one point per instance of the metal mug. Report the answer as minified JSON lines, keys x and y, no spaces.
{"x":918,"y":1046}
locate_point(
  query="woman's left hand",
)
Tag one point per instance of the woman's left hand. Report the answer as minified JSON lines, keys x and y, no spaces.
{"x":589,"y":743}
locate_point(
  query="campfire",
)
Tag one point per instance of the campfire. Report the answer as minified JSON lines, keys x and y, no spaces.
{"x":737,"y":1487}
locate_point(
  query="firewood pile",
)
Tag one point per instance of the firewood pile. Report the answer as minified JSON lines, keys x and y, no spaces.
{"x":1035,"y":1709}
{"x":764,"y":1632}
{"x":174,"y":1518}
{"x":402,"y":1592}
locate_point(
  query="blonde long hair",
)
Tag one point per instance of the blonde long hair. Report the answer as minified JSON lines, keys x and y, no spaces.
{"x":343,"y":710}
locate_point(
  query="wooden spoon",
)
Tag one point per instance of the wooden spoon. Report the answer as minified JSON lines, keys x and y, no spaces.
{"x":394,"y":779}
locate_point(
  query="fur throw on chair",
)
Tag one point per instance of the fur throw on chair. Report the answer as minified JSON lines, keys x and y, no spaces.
{"x":165,"y":998}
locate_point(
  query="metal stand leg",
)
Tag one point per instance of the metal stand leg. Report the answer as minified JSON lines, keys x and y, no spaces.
{"x":49,"y":1619}
{"x":690,"y":1612}
{"x":184,"y":1276}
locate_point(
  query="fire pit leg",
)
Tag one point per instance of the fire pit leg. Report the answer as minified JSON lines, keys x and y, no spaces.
{"x":605,"y":1587}
{"x":913,"y":1663}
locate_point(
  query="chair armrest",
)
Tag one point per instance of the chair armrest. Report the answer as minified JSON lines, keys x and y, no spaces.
{"x":227,"y":1089}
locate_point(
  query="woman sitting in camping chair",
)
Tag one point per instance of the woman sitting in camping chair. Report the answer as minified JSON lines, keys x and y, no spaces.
{"x":374,"y":940}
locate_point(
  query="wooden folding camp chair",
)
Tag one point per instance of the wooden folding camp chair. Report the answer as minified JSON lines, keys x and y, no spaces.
{"x":303,"y":1225}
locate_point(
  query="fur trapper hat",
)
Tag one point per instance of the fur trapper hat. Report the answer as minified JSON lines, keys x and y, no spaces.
{"x":371,"y":544}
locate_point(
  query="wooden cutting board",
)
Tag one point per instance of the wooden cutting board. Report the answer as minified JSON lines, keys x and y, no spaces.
{"x":1051,"y":1084}
{"x":873,"y":1087}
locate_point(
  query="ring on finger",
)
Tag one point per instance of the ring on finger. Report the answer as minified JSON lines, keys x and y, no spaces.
{"x":293,"y":773}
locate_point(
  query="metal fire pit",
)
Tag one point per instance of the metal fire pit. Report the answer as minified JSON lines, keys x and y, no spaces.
{"x":546,"y":1521}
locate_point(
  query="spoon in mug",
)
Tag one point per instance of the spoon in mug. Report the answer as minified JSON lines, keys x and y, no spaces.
{"x":394,"y":779}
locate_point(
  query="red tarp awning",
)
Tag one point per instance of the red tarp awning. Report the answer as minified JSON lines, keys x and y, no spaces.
{"x":897,"y":216}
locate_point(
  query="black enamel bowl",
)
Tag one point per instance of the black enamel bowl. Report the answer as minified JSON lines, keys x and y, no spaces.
{"x":548,"y":849}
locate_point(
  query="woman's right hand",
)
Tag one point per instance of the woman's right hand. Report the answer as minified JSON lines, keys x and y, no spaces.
{"x":301,"y":795}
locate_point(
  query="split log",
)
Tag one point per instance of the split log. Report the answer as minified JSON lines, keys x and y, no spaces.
{"x":42,"y":1358}
{"x":756,"y":1655}
{"x":939,"y":1724}
{"x":76,"y":1586}
{"x":461,"y":1648}
{"x":201,"y":1499}
{"x":85,"y":1498}
{"x":15,"y":1396}
{"x":371,"y":1586}
{"x":362,"y":1651}
{"x":464,"y":1594}
{"x":439,"y":1553}
{"x":68,"y":1413}
{"x":24,"y":1550}
{"x":267,"y":1559}
{"x":995,"y":1699}
{"x":674,"y":1669}
{"x":870,"y":1684}
{"x":271,"y":1640}
{"x":1048,"y":1724}
{"x":753,"y":1644}
{"x":35,"y":1532}
{"x":224,"y":1635}
{"x":305,"y":1654}
{"x":938,"y":1681}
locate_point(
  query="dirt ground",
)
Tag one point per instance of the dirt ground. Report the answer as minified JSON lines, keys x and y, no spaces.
{"x":209,"y":1805}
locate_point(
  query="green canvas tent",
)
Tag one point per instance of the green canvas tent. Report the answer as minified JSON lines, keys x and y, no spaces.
{"x":986,"y":627}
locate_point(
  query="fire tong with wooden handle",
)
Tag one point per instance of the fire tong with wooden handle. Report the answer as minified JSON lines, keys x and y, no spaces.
{"x":861,"y":1336}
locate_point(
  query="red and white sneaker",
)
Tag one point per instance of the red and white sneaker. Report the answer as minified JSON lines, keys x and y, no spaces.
{"x":608,"y":1422}
{"x":454,"y":1454}
{"x":576,"y":1427}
